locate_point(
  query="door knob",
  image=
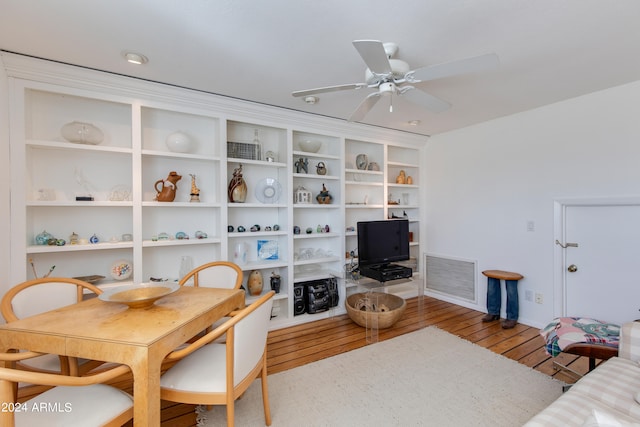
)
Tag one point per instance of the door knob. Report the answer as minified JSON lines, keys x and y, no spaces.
{"x":572,"y":268}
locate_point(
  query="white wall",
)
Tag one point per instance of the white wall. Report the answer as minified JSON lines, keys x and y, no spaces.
{"x":486,"y":181}
{"x":5,"y":243}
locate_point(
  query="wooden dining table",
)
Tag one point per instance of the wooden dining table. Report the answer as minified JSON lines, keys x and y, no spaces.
{"x":113,"y":332}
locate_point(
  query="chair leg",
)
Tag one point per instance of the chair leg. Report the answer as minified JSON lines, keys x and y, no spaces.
{"x":265,"y":394}
{"x":230,"y":410}
{"x":560,"y":367}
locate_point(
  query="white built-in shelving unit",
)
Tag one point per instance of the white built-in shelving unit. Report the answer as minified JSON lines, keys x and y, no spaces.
{"x":135,"y":116}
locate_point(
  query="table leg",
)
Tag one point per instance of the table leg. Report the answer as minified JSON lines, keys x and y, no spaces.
{"x":146,"y":389}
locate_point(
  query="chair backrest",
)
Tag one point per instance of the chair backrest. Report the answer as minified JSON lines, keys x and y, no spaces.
{"x":250,"y":336}
{"x":216,"y":274}
{"x":95,"y":404}
{"x":40,"y":295}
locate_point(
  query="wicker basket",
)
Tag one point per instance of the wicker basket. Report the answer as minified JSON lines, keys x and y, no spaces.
{"x":395,"y":304}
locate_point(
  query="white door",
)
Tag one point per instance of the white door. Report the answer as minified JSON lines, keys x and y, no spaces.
{"x":602,"y":274}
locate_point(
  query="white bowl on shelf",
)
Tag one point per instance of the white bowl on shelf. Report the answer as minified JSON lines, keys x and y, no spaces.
{"x":310,"y":145}
{"x":179,"y":142}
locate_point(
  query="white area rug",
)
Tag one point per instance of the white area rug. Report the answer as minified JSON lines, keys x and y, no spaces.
{"x":428,"y":377}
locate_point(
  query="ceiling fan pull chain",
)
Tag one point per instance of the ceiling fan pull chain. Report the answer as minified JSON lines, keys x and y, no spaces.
{"x":391,"y":103}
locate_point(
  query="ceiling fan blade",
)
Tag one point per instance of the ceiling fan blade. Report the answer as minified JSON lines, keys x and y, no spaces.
{"x":373,"y":54}
{"x":365,"y":106}
{"x":454,"y":68}
{"x":425,"y":100}
{"x":315,"y":91}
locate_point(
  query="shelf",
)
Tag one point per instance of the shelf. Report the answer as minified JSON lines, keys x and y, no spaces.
{"x":257,"y":163}
{"x":364,"y":172}
{"x":402,"y":164}
{"x":180,"y":242}
{"x":316,"y":206}
{"x":195,"y":205}
{"x":39,"y":249}
{"x":317,"y":260}
{"x":256,"y":205}
{"x":263,"y":265}
{"x":315,"y":235}
{"x":57,"y":145}
{"x":311,"y":176}
{"x":364,"y":183}
{"x":73,"y":203}
{"x":171,"y":154}
{"x":394,"y":185}
{"x":250,"y":234}
{"x":318,"y":156}
{"x":363,"y":206}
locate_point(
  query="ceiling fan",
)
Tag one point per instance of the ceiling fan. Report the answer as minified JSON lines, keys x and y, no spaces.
{"x":394,"y":77}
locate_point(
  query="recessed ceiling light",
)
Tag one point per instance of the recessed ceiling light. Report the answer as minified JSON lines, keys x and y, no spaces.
{"x":135,"y":58}
{"x":311,"y":99}
{"x":413,"y":122}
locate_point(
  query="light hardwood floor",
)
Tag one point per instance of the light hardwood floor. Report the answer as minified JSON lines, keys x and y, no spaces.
{"x":296,"y":346}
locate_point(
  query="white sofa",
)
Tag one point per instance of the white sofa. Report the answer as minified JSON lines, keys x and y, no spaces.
{"x":607,"y":396}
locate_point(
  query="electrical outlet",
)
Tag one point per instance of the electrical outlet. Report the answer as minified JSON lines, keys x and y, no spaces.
{"x":528,"y":295}
{"x":539,"y":299}
{"x":531,"y":225}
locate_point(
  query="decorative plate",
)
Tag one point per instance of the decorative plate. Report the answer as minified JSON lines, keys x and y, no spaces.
{"x":139,"y":296}
{"x":268,"y":190}
{"x":121,"y":269}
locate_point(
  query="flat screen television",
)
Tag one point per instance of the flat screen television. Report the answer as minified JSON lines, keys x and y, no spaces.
{"x":383,"y":242}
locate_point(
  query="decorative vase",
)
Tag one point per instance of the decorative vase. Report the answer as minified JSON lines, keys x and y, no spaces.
{"x":240,"y":253}
{"x":324,"y":198}
{"x":43,"y":238}
{"x":362,"y":161}
{"x":237,"y":187}
{"x":168,"y":187}
{"x":82,"y":133}
{"x":255,"y":283}
{"x":179,"y":142}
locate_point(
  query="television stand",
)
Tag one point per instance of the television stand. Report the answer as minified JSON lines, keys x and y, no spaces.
{"x":386,"y":272}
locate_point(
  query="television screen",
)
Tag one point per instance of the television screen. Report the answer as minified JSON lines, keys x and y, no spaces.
{"x":382,"y":242}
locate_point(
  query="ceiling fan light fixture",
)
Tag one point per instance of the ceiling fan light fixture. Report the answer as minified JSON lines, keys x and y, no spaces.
{"x":135,"y":58}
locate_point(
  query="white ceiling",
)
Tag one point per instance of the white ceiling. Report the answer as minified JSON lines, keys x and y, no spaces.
{"x":549,"y":50}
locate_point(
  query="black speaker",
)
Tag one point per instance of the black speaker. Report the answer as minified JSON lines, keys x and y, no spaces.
{"x":316,"y":296}
{"x":299,"y":306}
{"x":332,"y":289}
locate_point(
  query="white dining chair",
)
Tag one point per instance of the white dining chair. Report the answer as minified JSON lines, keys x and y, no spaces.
{"x":73,"y":401}
{"x":211,"y":373}
{"x":38,"y":296}
{"x":215,"y":274}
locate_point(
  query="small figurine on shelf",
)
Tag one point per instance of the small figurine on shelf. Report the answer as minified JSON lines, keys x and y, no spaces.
{"x":402,"y":177}
{"x":86,"y":185}
{"x":195,"y":191}
{"x":321,"y":169}
{"x":275,"y":282}
{"x":324,"y":198}
{"x":302,"y":165}
{"x":237,"y":191}
{"x":168,"y":187}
